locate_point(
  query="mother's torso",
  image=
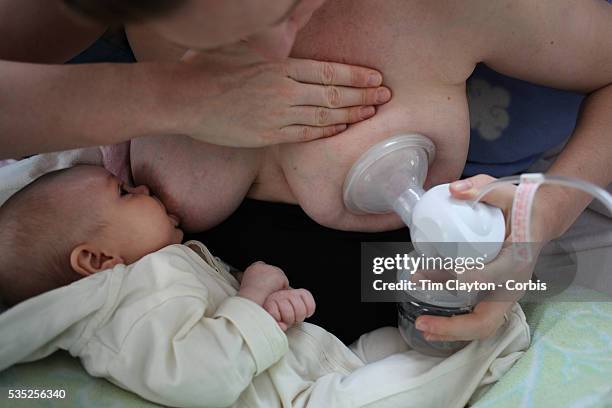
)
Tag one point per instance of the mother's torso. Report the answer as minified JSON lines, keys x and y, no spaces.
{"x":425,"y":54}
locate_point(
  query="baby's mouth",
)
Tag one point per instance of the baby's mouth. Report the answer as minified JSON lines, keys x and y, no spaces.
{"x":175,"y":219}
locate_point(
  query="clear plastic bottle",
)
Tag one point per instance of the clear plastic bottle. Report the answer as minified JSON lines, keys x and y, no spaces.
{"x":438,"y":303}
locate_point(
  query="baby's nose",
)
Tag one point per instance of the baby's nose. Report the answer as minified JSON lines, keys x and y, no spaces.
{"x":141,"y":190}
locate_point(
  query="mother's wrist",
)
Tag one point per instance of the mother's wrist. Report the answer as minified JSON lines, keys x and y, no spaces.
{"x":549,"y":214}
{"x":173,"y":104}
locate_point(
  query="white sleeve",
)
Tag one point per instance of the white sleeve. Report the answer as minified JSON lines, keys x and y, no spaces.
{"x":175,"y":355}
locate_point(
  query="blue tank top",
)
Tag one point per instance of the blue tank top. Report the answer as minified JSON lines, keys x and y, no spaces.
{"x":514,"y":122}
{"x":113,"y":46}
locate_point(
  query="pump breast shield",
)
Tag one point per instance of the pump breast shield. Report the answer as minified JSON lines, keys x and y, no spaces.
{"x":390,"y":176}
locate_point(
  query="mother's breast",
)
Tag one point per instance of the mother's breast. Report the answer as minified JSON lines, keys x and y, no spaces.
{"x":201,"y":183}
{"x":425,"y":66}
{"x":316,"y":171}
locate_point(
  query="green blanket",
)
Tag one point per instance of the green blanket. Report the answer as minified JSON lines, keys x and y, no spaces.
{"x":568,"y":365}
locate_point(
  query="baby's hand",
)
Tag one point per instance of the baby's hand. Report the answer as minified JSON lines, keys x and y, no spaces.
{"x":290,"y":306}
{"x":260,"y":280}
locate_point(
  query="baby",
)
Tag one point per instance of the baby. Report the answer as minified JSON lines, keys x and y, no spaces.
{"x":83,"y":220}
{"x":171,"y":323}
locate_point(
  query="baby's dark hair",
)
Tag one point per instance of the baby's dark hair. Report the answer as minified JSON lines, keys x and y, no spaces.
{"x":123,"y":11}
{"x":39,"y":227}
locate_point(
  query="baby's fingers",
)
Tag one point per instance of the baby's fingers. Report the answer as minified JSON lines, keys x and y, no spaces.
{"x":271,"y":306}
{"x":308,"y":300}
{"x":299,"y":307}
{"x":287,"y":312}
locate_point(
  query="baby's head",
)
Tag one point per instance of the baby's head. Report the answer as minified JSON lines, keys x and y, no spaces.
{"x":73,"y":223}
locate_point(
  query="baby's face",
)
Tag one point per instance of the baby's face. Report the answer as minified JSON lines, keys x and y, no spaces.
{"x":136,"y":223}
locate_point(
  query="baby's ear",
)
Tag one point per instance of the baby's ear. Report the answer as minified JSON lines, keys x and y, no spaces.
{"x":87,"y":259}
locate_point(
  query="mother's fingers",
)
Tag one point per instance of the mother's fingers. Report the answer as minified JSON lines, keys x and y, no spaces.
{"x":486,"y":318}
{"x":189,"y":55}
{"x":331,"y":73}
{"x":340,"y":96}
{"x":317,"y":116}
{"x":471,"y":185}
{"x":470,"y":188}
{"x":435,"y":337}
{"x":299,"y":133}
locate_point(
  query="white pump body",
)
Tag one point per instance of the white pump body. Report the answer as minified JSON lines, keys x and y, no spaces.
{"x":389,"y":177}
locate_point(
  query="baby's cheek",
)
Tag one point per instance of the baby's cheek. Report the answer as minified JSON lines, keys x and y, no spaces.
{"x":165,"y":236}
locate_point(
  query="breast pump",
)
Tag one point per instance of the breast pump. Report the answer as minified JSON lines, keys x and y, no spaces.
{"x":389,"y":177}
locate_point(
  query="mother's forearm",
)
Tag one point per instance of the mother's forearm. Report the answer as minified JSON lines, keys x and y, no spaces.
{"x":587,"y":156}
{"x":54,"y":107}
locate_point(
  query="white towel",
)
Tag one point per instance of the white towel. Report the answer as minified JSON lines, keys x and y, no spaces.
{"x":17,"y":175}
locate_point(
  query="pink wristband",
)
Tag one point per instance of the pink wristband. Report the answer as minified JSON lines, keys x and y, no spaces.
{"x":521,"y":215}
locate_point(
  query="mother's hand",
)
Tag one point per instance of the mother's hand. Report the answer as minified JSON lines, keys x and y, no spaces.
{"x":265,"y":103}
{"x":488,"y":315}
{"x":483,"y":322}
